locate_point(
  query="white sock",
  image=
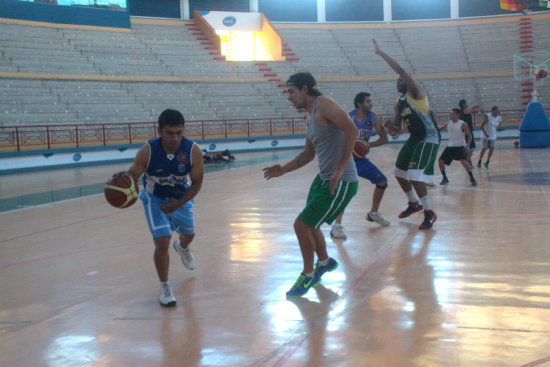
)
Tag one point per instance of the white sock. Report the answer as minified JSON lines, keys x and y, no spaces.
{"x":165,"y":284}
{"x":426,"y":203}
{"x":310,"y":274}
{"x":411,"y":196}
{"x":324,"y":262}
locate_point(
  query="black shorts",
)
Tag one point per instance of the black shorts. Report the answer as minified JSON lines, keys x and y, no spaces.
{"x":453,"y":154}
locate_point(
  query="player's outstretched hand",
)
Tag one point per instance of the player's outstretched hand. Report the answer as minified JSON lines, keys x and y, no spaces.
{"x":273,"y":171}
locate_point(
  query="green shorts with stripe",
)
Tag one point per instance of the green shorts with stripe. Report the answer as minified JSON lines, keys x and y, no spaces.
{"x":415,"y":161}
{"x":321,"y":206}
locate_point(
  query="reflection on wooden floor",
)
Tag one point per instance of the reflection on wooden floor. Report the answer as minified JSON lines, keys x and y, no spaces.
{"x":79,"y":286}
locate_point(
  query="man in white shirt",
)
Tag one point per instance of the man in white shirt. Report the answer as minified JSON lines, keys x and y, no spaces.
{"x":457,"y":148}
{"x":489,"y":134}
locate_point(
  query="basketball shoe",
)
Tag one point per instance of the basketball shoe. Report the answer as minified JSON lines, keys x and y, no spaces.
{"x":444,"y":181}
{"x":337,"y":231}
{"x":322,"y":269}
{"x":411,"y":209}
{"x":429,"y":219}
{"x":187,"y":257}
{"x":166,"y":298}
{"x":473,"y":181}
{"x":303,"y":284}
{"x":377,"y":218}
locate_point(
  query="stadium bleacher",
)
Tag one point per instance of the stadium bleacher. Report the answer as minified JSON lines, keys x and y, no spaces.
{"x":62,"y":75}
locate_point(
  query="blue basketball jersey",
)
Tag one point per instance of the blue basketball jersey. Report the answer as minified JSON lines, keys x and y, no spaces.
{"x":365,"y":168}
{"x":166,"y":175}
{"x":365,"y":126}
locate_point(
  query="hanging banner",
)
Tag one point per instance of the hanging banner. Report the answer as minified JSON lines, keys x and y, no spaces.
{"x":511,"y":4}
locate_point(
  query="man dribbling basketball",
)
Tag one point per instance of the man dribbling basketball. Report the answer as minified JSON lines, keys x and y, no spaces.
{"x":330,"y":135}
{"x":366,"y":120}
{"x":167,"y":161}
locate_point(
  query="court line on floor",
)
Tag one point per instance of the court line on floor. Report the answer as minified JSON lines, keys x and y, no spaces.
{"x":37,"y":199}
{"x":250,"y":162}
{"x":545,"y":359}
{"x":63,"y":226}
{"x":530,"y":159}
{"x":382,"y":254}
{"x":65,"y":254}
{"x":537,"y":362}
{"x":477,"y":188}
{"x":46,"y":204}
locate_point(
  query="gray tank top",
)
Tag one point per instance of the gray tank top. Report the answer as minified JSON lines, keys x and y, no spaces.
{"x":328,"y":142}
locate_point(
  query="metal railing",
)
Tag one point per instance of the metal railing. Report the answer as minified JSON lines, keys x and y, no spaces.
{"x":47,"y":137}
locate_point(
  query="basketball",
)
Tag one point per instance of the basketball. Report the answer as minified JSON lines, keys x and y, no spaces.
{"x":360,"y":149}
{"x":541,"y":74}
{"x":121,"y":191}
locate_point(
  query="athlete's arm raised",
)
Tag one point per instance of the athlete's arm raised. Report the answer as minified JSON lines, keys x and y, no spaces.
{"x":413,"y":87}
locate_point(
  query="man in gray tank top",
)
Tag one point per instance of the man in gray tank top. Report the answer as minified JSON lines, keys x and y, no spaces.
{"x":331,"y":135}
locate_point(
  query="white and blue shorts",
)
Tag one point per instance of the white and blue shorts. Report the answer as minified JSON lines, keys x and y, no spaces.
{"x":162,"y":224}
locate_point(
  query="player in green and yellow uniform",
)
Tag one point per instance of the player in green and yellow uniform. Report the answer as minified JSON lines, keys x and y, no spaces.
{"x":415,"y":163}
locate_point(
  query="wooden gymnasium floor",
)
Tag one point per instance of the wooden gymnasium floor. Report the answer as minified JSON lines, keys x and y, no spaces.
{"x":78,"y":285}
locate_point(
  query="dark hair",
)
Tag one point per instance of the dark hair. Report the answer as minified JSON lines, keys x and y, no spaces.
{"x":360,"y":98}
{"x":170,"y":117}
{"x":462,"y":103}
{"x":494,"y":108}
{"x":304,"y":78}
{"x":457,"y":111}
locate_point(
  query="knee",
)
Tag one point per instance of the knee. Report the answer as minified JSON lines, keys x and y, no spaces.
{"x":186,"y":238}
{"x":382,"y":185}
{"x":162,"y":243}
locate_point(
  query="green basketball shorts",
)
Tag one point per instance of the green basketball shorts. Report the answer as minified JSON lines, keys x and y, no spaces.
{"x":321,"y":206}
{"x":415,"y":161}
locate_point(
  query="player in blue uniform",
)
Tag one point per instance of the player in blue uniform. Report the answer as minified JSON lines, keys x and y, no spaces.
{"x":167,"y":162}
{"x":366,"y":120}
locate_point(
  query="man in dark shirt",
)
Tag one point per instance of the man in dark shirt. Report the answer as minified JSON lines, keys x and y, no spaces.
{"x":466,"y":116}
